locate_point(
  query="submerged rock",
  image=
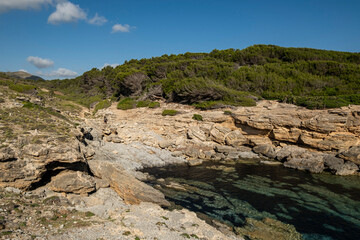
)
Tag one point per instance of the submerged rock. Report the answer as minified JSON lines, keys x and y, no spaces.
{"x":268,"y":229}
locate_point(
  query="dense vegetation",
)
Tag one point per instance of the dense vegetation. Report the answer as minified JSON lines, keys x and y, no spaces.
{"x":307,"y":77}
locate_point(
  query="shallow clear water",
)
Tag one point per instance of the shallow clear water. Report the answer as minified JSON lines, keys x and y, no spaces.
{"x":320,"y":206}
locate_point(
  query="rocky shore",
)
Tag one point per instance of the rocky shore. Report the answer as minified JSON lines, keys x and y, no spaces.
{"x":98,"y":171}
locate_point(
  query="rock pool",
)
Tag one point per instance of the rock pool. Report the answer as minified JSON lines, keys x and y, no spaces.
{"x":320,"y":206}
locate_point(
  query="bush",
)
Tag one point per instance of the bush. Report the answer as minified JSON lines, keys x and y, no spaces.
{"x":126,"y":103}
{"x":21,"y":88}
{"x":101,"y":105}
{"x":197,"y":117}
{"x":228,"y":112}
{"x":142,"y":104}
{"x":169,"y":112}
{"x":154,"y":104}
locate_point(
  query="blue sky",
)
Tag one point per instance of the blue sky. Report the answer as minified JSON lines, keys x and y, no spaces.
{"x":63,"y":38}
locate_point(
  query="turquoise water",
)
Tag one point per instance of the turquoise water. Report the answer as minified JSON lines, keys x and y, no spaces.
{"x":320,"y":206}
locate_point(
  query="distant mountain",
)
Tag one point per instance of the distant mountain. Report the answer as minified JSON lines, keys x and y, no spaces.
{"x":23,"y":75}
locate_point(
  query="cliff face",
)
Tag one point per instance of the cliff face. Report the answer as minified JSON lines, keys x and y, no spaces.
{"x":313,"y":140}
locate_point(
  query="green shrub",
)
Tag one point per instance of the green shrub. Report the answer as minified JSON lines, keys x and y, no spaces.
{"x":21,"y":88}
{"x":197,"y":117}
{"x":142,"y":104}
{"x":209,"y":105}
{"x":101,"y":105}
{"x":154,"y":104}
{"x":169,"y":112}
{"x":126,"y":103}
{"x":227,"y":112}
{"x":2,"y":100}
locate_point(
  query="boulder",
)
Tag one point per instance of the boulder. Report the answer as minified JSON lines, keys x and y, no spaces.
{"x":333,"y":163}
{"x":289,"y":151}
{"x":73,"y":182}
{"x":235,"y":138}
{"x":312,"y":162}
{"x":349,"y":168}
{"x":195,"y":132}
{"x":352,"y":154}
{"x":266,"y":150}
{"x":128,"y":187}
{"x":218,"y":132}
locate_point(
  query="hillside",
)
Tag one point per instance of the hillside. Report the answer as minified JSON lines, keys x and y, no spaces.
{"x":21,"y":75}
{"x":306,"y":77}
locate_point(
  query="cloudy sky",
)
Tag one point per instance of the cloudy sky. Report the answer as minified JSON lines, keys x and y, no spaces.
{"x":64,"y":38}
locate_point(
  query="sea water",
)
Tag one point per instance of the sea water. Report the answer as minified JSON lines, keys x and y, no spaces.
{"x":320,"y":206}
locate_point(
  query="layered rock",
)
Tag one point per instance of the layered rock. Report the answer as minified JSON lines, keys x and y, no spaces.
{"x":26,"y":167}
{"x":128,"y":187}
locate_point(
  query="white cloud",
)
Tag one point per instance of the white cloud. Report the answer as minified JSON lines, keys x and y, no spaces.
{"x":40,"y":62}
{"x":98,"y":20}
{"x":114,"y":65}
{"x":7,"y":5}
{"x":22,"y":70}
{"x":120,"y":28}
{"x":59,"y":73}
{"x":67,"y":12}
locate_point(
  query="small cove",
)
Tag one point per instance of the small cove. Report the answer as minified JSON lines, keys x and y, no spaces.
{"x":320,"y":206}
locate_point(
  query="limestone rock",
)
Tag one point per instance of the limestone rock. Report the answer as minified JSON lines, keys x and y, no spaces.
{"x":73,"y":182}
{"x":348,"y":168}
{"x":285,"y":134}
{"x":289,"y":151}
{"x":266,"y":150}
{"x":353,"y":155}
{"x":312,"y":162}
{"x":195,"y":132}
{"x":218,"y":132}
{"x":34,"y":160}
{"x":195,"y":162}
{"x":333,"y":163}
{"x":235,"y":139}
{"x":7,"y":154}
{"x":128,"y":187}
{"x":268,"y":229}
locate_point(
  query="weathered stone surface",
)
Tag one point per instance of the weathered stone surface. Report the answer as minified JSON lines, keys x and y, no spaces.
{"x":218,"y":132}
{"x":333,"y":163}
{"x":34,"y":160}
{"x":7,"y":154}
{"x":286,"y":135}
{"x":73,"y":182}
{"x":268,"y":229}
{"x":194,"y":162}
{"x":325,"y":123}
{"x":289,"y":151}
{"x":225,"y":149}
{"x":353,"y":155}
{"x":128,"y":187}
{"x":195,"y":132}
{"x":348,"y":168}
{"x":312,"y":162}
{"x":266,"y":150}
{"x":235,"y":138}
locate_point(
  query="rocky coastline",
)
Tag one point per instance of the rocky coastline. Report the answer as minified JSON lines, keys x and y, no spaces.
{"x":99,"y":169}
